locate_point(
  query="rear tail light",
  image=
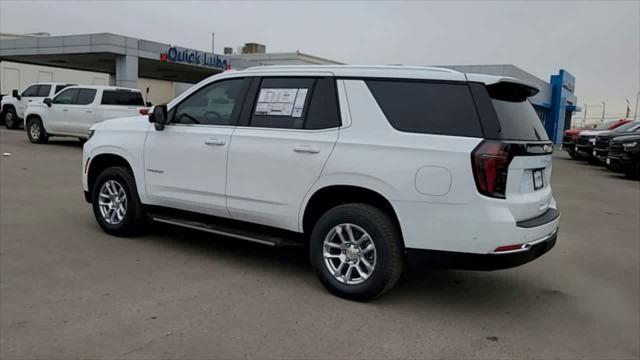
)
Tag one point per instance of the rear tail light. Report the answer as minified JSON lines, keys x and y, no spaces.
{"x":144,"y":111}
{"x":490,"y":161}
{"x":575,"y":137}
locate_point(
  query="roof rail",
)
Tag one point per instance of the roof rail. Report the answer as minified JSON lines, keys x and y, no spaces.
{"x":355,"y":67}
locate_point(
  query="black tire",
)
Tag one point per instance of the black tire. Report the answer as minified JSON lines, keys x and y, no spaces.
{"x":384,"y":234}
{"x":574,"y":156}
{"x":36,"y":132}
{"x":633,"y":171}
{"x":10,"y":118}
{"x":593,"y":160}
{"x":133,"y":219}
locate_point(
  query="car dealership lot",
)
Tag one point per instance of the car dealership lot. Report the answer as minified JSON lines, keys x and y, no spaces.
{"x":69,"y":290}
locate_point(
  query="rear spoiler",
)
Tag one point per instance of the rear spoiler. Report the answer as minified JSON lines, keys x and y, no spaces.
{"x":505,"y":88}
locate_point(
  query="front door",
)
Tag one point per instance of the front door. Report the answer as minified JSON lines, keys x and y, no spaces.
{"x":59,"y":113}
{"x":279,"y":154}
{"x":81,"y":115}
{"x":186,"y":162}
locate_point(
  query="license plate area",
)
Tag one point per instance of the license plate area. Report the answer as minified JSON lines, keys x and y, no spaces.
{"x":538,"y":179}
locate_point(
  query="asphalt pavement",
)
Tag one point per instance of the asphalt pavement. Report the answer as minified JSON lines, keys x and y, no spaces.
{"x":68,"y":290}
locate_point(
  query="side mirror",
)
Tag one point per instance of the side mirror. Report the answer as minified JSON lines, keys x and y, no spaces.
{"x":47,"y":101}
{"x":149,"y":104}
{"x":16,"y":95}
{"x":159,"y":116}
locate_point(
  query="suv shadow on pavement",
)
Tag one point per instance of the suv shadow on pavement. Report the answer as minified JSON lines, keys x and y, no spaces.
{"x":446,"y":290}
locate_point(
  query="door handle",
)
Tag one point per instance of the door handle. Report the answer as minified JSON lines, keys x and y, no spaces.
{"x":306,"y":149}
{"x":217,"y":142}
{"x":88,"y":111}
{"x":65,"y":109}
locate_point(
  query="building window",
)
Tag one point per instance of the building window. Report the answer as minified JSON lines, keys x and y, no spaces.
{"x":542,"y":113}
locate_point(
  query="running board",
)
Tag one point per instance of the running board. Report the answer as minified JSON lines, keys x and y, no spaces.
{"x":247,"y":235}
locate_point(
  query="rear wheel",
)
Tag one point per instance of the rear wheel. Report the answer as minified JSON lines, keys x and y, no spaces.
{"x":573,"y":155}
{"x":36,"y":132}
{"x":115,"y":202}
{"x":356,"y":251}
{"x":11,"y":120}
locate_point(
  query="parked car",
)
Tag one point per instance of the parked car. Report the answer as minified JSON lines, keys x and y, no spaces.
{"x":601,"y":147}
{"x":587,"y":139}
{"x":624,"y":152}
{"x":368,"y":165}
{"x":74,"y":110}
{"x":569,"y":140}
{"x":13,"y":107}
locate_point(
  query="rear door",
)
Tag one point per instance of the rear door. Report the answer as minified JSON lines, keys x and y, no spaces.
{"x":288,"y":129}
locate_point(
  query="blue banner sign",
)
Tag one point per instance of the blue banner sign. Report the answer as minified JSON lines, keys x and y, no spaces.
{"x":194,"y":57}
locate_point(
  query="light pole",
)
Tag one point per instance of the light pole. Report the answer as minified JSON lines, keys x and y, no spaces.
{"x":627,"y":112}
{"x":584,"y":120}
{"x":635,"y":113}
{"x":603,"y":105}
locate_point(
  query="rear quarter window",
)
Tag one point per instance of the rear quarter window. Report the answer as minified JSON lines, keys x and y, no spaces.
{"x":125,"y":98}
{"x":427,"y":107}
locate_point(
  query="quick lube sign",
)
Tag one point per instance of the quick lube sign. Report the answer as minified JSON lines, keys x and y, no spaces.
{"x":193,"y":57}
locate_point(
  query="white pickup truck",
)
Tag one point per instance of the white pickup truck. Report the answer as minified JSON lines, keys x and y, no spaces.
{"x":14,"y":105}
{"x":75,"y":109}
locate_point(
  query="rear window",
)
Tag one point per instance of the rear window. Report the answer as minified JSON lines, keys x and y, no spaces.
{"x":127,"y":98}
{"x":427,"y":107}
{"x":519,"y":121}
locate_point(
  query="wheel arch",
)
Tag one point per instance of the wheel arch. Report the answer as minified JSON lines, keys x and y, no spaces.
{"x":103,"y":161}
{"x":330,"y":196}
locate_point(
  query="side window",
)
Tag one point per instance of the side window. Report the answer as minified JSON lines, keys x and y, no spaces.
{"x":323,"y":109}
{"x":65,"y":97}
{"x":43,"y":90}
{"x":60,"y":87}
{"x":31,"y":91}
{"x":85,"y":96}
{"x":122,"y":97}
{"x":214,"y":104}
{"x":282,"y":103}
{"x":427,"y":107}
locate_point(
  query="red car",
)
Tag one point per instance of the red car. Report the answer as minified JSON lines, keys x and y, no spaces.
{"x":571,"y":136}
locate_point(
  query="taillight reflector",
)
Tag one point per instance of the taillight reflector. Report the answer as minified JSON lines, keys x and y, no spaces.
{"x":144,"y":111}
{"x":490,"y":162}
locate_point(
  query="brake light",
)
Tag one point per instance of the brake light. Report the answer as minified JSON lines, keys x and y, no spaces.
{"x":144,"y":111}
{"x":490,"y":161}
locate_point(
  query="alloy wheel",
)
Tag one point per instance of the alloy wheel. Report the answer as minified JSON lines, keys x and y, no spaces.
{"x":349,"y":254}
{"x":113,"y":202}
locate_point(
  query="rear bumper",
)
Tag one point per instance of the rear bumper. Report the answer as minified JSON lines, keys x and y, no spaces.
{"x":420,"y":258}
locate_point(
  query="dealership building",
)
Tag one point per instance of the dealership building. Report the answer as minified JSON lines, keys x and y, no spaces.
{"x":167,"y":70}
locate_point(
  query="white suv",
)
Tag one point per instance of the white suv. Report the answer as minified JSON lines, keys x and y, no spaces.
{"x":74,"y":110}
{"x":369,"y":166}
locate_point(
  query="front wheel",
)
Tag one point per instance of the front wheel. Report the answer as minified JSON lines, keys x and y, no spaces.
{"x":11,"y":120}
{"x":633,"y":171}
{"x":356,"y":251}
{"x":115,"y":202}
{"x":36,"y":132}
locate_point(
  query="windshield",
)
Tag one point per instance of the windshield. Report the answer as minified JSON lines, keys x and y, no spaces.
{"x":628,"y":126}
